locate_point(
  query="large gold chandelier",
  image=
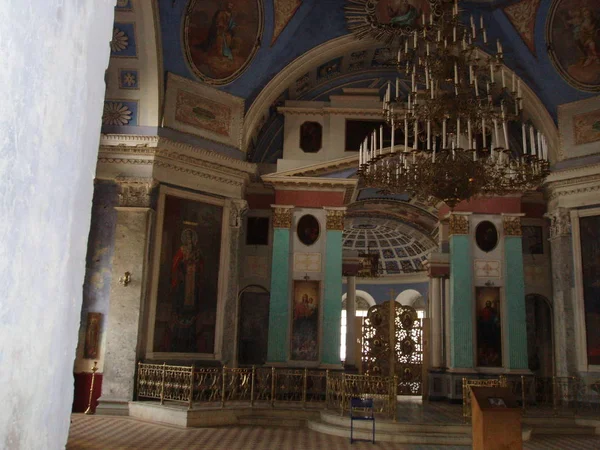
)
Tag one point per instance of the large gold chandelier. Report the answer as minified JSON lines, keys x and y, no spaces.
{"x":455,"y":118}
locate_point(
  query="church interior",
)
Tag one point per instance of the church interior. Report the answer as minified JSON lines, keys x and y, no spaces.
{"x":296,"y":202}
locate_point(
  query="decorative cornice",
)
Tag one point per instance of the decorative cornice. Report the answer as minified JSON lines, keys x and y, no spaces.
{"x":511,"y":225}
{"x":560,"y":222}
{"x":335,"y":218}
{"x":573,"y":186}
{"x":282,"y":216}
{"x":324,"y":168}
{"x":313,"y":183}
{"x":130,"y":140}
{"x":136,"y":192}
{"x":458,"y":224}
{"x":326,"y":111}
{"x":199,"y":173}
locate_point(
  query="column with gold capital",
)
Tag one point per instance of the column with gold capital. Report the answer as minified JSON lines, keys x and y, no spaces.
{"x":279,"y":306}
{"x":332,"y":305}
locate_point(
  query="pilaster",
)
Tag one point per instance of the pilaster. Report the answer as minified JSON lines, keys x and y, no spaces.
{"x":279,"y":307}
{"x":127,"y":301}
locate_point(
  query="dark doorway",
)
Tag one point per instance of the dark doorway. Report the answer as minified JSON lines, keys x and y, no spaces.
{"x":254,"y":328}
{"x":539,"y":335}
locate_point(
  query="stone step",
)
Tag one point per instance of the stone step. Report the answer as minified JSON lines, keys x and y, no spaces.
{"x":576,"y":430}
{"x":271,"y":421}
{"x":381,"y":435}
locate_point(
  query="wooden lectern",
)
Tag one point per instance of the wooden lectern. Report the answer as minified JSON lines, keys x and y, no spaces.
{"x":496,"y":419}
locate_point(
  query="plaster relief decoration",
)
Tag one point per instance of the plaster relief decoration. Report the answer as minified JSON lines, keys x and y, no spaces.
{"x":284,"y":11}
{"x":303,"y":84}
{"x":120,"y":113}
{"x":305,"y":321}
{"x":579,"y":128}
{"x":307,"y":262}
{"x":123,"y":43}
{"x":135,"y":192}
{"x":202,"y":110}
{"x":124,"y":5}
{"x":522,"y":16}
{"x":256,"y":266}
{"x":487,"y":269}
{"x":512,"y":225}
{"x":188,"y":277}
{"x":458,"y":224}
{"x":221,"y":37}
{"x":129,"y":79}
{"x":489,"y":329}
{"x":573,"y":35}
{"x":329,"y":69}
{"x":335,"y":219}
{"x":282,"y":216}
{"x":560,"y":223}
{"x":236,"y":213}
{"x":590,"y":262}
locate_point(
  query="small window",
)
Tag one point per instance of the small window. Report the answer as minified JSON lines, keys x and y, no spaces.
{"x":486,"y":236}
{"x":257,"y":231}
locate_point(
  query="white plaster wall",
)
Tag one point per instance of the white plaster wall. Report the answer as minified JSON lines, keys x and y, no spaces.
{"x":54,"y":54}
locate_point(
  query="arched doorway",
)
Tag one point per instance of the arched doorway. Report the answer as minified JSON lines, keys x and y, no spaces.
{"x":539,"y":335}
{"x":411,"y":297}
{"x":363,"y":302}
{"x":253,"y":325}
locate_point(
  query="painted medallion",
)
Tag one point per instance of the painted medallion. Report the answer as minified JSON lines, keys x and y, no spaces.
{"x":573,"y":34}
{"x":221,"y":37}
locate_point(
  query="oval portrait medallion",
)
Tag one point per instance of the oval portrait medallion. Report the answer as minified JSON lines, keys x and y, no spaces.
{"x":308,"y":229}
{"x":573,"y":34}
{"x":486,"y":236}
{"x":221,"y":37}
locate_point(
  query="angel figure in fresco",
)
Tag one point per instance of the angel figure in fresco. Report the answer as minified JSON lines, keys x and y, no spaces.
{"x":401,"y":12}
{"x":220,"y":34}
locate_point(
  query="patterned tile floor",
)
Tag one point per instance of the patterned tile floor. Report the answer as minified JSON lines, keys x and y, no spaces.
{"x":108,"y":432}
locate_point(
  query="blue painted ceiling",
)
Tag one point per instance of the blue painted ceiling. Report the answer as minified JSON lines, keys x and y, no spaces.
{"x":318,"y":21}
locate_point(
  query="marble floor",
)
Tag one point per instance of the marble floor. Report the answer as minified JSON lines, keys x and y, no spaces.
{"x":111,"y":432}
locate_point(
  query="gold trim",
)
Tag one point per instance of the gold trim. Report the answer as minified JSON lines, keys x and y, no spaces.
{"x":335,"y":219}
{"x":282,"y":216}
{"x":512,"y":225}
{"x":458,"y":224}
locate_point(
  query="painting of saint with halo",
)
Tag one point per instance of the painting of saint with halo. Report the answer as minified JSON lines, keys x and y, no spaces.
{"x":402,"y":12}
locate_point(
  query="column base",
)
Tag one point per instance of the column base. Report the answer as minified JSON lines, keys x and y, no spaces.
{"x":112,"y":406}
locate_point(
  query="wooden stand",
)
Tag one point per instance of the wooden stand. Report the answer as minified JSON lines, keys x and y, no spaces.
{"x":496,"y":419}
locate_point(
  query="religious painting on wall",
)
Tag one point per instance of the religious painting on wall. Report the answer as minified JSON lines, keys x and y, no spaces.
{"x":401,"y":12}
{"x":573,"y":35}
{"x":186,"y":306}
{"x":92,"y":335}
{"x":308,"y":229}
{"x":221,"y":37}
{"x":305,"y":321}
{"x":533,"y":240}
{"x":589,"y":228}
{"x":489,"y":329}
{"x":311,"y":137}
{"x":586,"y":127}
{"x":203,"y":110}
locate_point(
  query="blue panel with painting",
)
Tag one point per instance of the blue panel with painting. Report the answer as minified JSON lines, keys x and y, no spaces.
{"x":188,"y":280}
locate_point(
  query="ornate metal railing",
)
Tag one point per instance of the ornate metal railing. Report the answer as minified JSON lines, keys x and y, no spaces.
{"x":542,"y":395}
{"x":264,"y":385}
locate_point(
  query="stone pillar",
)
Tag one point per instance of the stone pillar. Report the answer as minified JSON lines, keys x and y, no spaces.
{"x":279,"y":306}
{"x":237,"y":209}
{"x":561,"y":248}
{"x":351,"y":332}
{"x":514,"y":290}
{"x":332,"y":305}
{"x":446,"y":335}
{"x":127,"y":302}
{"x":461,"y":293}
{"x":436,"y":322}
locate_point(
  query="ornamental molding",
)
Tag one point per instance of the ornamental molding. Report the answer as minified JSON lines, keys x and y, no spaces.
{"x":560,"y":222}
{"x":110,"y":139}
{"x":335,"y":218}
{"x":282,"y":216}
{"x":295,"y":110}
{"x":573,"y":186}
{"x":345,"y":185}
{"x":511,"y":225}
{"x":136,"y":191}
{"x":458,"y":224}
{"x":324,"y":168}
{"x":237,"y":211}
{"x":200,"y":173}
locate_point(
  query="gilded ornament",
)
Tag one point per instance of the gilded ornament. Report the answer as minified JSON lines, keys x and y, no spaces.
{"x":282,"y":217}
{"x":335,"y":219}
{"x":459,"y":224}
{"x":136,"y":192}
{"x":512,"y":226}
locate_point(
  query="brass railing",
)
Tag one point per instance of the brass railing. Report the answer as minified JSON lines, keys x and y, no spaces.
{"x":263,"y":385}
{"x":542,"y":395}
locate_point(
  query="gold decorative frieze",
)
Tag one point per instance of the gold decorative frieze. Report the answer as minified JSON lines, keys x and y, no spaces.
{"x":282,"y":216}
{"x":136,"y":192}
{"x":458,"y":224}
{"x":335,"y":219}
{"x":511,"y":225}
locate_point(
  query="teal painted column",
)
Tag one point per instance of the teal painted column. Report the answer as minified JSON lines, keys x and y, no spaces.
{"x":332,"y":304}
{"x":514,"y":290}
{"x":461,"y":293}
{"x":279,"y":306}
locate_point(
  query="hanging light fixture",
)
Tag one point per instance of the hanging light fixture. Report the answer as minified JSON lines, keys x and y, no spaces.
{"x":455,"y":118}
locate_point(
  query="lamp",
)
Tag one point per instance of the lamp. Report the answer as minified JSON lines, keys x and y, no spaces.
{"x":455,"y":118}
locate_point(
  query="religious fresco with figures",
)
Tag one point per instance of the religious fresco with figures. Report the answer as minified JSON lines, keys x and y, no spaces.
{"x":489,"y":328}
{"x":590,"y":262}
{"x":221,"y":38}
{"x":305,"y":321}
{"x":573,"y":34}
{"x":186,"y":307}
